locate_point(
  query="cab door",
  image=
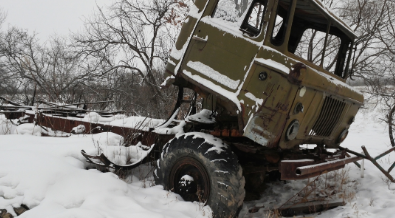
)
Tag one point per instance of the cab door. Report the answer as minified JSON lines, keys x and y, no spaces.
{"x":224,"y":44}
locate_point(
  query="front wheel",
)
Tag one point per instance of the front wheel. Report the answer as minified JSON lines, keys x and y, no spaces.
{"x":200,"y":167}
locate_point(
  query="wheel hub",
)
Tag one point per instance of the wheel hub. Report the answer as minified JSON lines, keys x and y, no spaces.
{"x":186,"y":185}
{"x":189,"y":179}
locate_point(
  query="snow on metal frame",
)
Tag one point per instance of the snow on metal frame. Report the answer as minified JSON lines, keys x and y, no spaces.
{"x":330,"y":13}
{"x":216,"y":88}
{"x":273,"y":64}
{"x":213,"y":74}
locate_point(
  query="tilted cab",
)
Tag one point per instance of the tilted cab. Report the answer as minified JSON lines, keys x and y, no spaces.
{"x":273,"y":70}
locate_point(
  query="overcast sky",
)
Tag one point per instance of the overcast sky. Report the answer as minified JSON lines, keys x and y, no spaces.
{"x":47,"y":17}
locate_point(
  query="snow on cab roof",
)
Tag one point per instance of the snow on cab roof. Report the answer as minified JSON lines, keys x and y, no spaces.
{"x":337,"y":22}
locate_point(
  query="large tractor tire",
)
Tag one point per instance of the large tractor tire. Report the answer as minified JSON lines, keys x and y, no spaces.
{"x":200,"y":167}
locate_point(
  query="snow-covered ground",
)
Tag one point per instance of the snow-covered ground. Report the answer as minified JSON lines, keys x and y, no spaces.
{"x":50,"y":176}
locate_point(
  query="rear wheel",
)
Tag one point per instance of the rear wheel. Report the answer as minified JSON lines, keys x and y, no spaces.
{"x":200,"y":167}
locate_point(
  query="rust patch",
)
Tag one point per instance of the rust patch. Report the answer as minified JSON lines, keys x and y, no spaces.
{"x":294,"y":74}
{"x":283,"y":107}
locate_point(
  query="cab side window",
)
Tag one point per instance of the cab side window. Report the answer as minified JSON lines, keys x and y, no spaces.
{"x":253,"y":21}
{"x":281,"y":22}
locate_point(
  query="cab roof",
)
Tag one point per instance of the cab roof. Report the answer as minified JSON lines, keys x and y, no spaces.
{"x":315,"y":11}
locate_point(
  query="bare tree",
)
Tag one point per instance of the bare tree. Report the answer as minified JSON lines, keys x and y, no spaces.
{"x":54,"y":69}
{"x":241,"y":5}
{"x":375,"y":52}
{"x":7,"y":85}
{"x":3,"y":16}
{"x":134,"y":36}
{"x":367,"y":18}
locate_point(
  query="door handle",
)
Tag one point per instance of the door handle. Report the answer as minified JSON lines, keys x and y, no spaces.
{"x":197,"y":38}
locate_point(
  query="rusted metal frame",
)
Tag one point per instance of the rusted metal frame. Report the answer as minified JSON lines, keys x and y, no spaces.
{"x":9,"y":102}
{"x":356,"y":163}
{"x":131,"y":135}
{"x":15,"y":107}
{"x":373,"y":160}
{"x":102,"y":160}
{"x":12,"y":114}
{"x":322,"y":167}
{"x":309,"y":207}
{"x":313,"y":165}
{"x":386,"y":173}
{"x":364,"y":156}
{"x":304,"y":205}
{"x":297,"y":194}
{"x":288,"y":170}
{"x":55,"y":123}
{"x":391,"y":167}
{"x":64,"y":107}
{"x":352,"y":152}
{"x":105,"y":162}
{"x":66,"y":125}
{"x":60,"y":109}
{"x":385,"y":153}
{"x":74,"y":109}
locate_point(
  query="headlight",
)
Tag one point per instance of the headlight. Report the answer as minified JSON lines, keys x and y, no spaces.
{"x":292,"y":130}
{"x":342,"y":136}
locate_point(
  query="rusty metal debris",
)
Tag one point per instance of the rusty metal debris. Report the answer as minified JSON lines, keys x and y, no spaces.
{"x":367,"y":156}
{"x":309,"y":207}
{"x":103,"y":161}
{"x":303,"y":166}
{"x":9,"y":101}
{"x":311,"y":199}
{"x":327,"y":166}
{"x":14,"y":110}
{"x":306,"y":168}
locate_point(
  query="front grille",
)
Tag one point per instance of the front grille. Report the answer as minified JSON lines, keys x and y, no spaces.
{"x":328,"y":118}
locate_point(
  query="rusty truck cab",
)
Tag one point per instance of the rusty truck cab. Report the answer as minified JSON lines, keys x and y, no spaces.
{"x":274,"y":71}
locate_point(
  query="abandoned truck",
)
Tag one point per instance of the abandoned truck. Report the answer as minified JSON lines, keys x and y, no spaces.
{"x":267,"y":92}
{"x":271,"y":75}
